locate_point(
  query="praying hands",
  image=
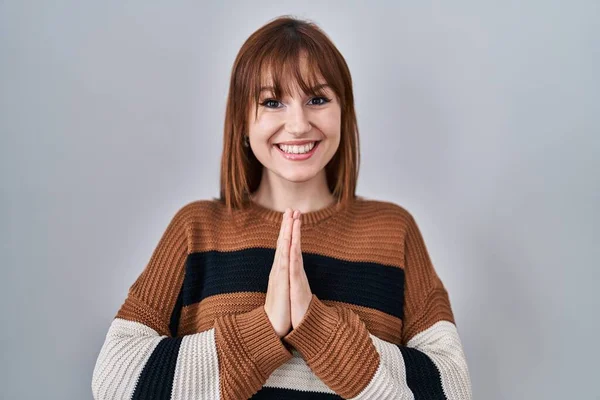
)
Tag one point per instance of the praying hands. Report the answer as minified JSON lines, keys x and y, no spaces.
{"x":288,"y":292}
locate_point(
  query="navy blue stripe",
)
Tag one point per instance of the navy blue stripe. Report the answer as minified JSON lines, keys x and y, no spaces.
{"x":367,"y":284}
{"x":422,"y":376}
{"x":156,"y":379}
{"x":268,"y":393}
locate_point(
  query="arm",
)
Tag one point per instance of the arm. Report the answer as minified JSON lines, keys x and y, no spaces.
{"x":358,"y":365}
{"x":142,"y":358}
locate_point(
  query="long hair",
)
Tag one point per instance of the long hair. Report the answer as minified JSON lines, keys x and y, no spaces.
{"x":276,"y":47}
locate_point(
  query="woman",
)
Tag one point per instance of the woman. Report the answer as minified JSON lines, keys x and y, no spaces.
{"x":336,"y":298}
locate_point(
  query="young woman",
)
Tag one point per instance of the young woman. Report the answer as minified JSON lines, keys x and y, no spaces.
{"x":288,"y":286}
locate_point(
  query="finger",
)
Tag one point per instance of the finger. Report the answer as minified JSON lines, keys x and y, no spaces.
{"x":296,"y":257}
{"x":293,"y":249}
{"x":285,"y":244}
{"x":282,"y":226}
{"x":296,"y":237}
{"x":279,"y":238}
{"x":299,"y":237}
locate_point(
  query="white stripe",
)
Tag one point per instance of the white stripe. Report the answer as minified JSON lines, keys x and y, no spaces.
{"x":126,"y":349}
{"x":389,"y":381}
{"x":296,"y":374}
{"x":197,"y":371}
{"x":442,"y":344}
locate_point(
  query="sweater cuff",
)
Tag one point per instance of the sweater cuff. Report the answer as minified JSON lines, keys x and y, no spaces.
{"x":313,"y":333}
{"x":264,"y":346}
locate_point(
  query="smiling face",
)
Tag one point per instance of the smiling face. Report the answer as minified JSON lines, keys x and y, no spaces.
{"x":313,"y":122}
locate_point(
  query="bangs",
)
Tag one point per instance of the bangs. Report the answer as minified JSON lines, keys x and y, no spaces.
{"x":284,"y":71}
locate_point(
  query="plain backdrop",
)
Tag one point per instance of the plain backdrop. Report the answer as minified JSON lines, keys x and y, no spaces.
{"x":479,"y":117}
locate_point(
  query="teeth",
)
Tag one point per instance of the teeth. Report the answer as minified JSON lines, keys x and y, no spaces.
{"x":297,"y":149}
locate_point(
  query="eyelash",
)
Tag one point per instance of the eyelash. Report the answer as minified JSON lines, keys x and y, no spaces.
{"x":326,"y":100}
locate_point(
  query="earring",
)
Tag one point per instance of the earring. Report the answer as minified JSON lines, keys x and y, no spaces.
{"x":246,"y":141}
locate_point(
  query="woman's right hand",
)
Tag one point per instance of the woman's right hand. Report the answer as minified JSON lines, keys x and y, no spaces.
{"x":277,"y":302}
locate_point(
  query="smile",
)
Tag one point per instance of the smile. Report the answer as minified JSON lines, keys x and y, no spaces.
{"x":297,"y":153}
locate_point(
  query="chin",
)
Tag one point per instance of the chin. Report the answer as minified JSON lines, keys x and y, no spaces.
{"x":298,"y":176}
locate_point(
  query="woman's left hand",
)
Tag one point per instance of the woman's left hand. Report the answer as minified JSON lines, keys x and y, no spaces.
{"x":300,"y":293}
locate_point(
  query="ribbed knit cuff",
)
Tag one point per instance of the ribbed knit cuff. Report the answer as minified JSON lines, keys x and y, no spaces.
{"x":315,"y":330}
{"x":263,"y":344}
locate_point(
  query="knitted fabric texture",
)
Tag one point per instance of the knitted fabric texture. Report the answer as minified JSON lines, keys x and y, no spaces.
{"x":193,"y":325}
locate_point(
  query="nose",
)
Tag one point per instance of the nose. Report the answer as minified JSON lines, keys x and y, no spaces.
{"x":297,"y":121}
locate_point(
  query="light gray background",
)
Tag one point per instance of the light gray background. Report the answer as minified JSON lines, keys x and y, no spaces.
{"x":481,"y":118}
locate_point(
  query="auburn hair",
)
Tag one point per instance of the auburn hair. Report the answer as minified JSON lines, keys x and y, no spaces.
{"x":276,"y":48}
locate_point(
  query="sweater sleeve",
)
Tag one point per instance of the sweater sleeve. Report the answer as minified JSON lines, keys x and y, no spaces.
{"x":430,"y":362}
{"x":143,"y":358}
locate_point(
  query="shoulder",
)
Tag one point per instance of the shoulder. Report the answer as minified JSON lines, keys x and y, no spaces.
{"x":199,"y":210}
{"x":393,"y":213}
{"x":205,"y":215}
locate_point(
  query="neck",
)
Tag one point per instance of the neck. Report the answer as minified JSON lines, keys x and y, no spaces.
{"x":279,"y":194}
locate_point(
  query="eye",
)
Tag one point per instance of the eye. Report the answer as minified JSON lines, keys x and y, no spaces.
{"x":269,"y":102}
{"x":325,"y":100}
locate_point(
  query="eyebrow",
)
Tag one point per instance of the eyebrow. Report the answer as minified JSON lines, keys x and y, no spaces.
{"x":315,"y":88}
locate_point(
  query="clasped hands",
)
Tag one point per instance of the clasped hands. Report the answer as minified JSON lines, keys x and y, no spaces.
{"x":288,"y":293}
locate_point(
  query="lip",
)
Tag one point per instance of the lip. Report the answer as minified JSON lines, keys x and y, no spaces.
{"x":298,"y":157}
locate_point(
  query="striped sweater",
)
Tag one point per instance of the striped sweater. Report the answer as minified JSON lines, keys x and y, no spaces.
{"x":193,"y":325}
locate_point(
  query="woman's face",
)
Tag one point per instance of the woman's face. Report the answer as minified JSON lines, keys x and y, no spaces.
{"x":299,"y":118}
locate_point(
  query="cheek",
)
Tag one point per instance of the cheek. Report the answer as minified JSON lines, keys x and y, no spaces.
{"x":330,"y":123}
{"x":262,"y":130}
{"x":264,"y":123}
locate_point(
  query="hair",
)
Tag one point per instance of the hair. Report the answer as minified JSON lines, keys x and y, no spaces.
{"x":276,"y":48}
